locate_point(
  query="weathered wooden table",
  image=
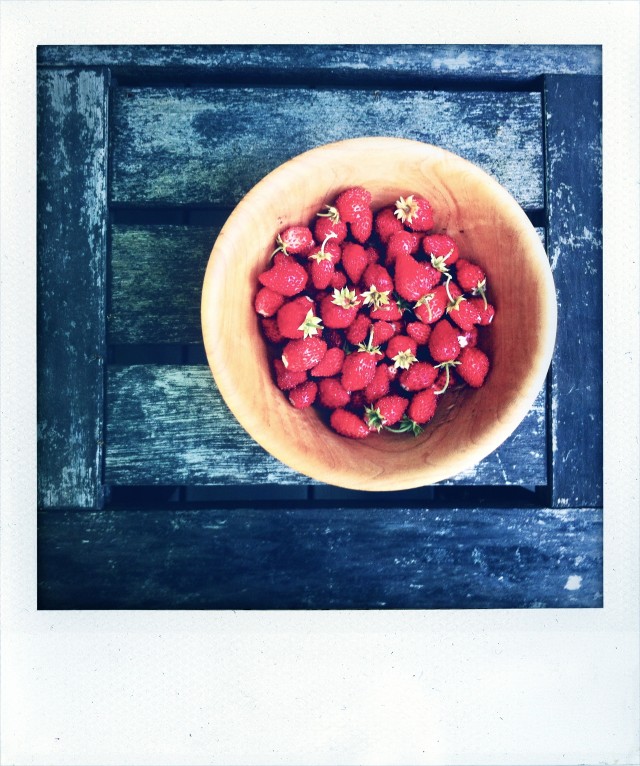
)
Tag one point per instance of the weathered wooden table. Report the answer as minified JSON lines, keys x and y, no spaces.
{"x":150,"y":493}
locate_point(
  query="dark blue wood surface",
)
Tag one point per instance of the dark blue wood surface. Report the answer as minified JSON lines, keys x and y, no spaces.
{"x":535,"y":109}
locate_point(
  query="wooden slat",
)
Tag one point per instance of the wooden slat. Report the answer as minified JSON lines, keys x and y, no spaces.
{"x":321,"y":559}
{"x":573,"y":109}
{"x":72,"y":237}
{"x":209,"y":146}
{"x":156,"y":281}
{"x":334,"y":63}
{"x":169,"y":425}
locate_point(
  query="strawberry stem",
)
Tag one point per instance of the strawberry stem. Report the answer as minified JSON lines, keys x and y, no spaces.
{"x":446,"y":366}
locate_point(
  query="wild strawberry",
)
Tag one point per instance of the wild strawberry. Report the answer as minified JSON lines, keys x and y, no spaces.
{"x":418,"y":331}
{"x":463,"y":313}
{"x":377,"y":276}
{"x":330,"y":364}
{"x":323,"y":261}
{"x":386,"y":224}
{"x":468,"y":337}
{"x":419,"y":376}
{"x":295,"y":240}
{"x":486,"y":314}
{"x":382,"y":331}
{"x":329,"y":222}
{"x":473,"y":367}
{"x":353,"y":205}
{"x":332,"y":393}
{"x":446,"y":378}
{"x":414,"y":279}
{"x":286,"y":379}
{"x":422,"y":406}
{"x":354,"y":261}
{"x":304,"y":395}
{"x":286,"y":276}
{"x":339,"y":309}
{"x":338,"y":280}
{"x":303,"y":354}
{"x":348,"y":424}
{"x":415,"y":212}
{"x":432,"y":306}
{"x":443,"y":343}
{"x":359,"y":367}
{"x":296,"y":318}
{"x":472,"y":279}
{"x":386,"y":411}
{"x":373,"y":254}
{"x":401,"y":349}
{"x":379,"y":385}
{"x":387,"y":312}
{"x":441,"y":249}
{"x":267,"y":302}
{"x":270,"y":329}
{"x":402,"y":242}
{"x":358,"y":329}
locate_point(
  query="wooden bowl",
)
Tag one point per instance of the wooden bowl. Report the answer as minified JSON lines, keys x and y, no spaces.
{"x":490,"y":228}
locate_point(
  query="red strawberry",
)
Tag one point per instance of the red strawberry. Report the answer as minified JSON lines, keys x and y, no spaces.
{"x":419,"y":376}
{"x":358,"y":329}
{"x":431,"y":307}
{"x":303,"y":354}
{"x":486,"y":313}
{"x":361,"y":227}
{"x":332,"y":393}
{"x":296,"y":318}
{"x":339,"y":309}
{"x":380,"y":384}
{"x":373,"y":254}
{"x":382,"y":331}
{"x":286,"y":276}
{"x":401,"y":242}
{"x":330,"y":222}
{"x":323,"y":261}
{"x":418,"y":331}
{"x":388,"y":312}
{"x":377,"y":276}
{"x":353,"y":205}
{"x":473,"y":367}
{"x":286,"y":379}
{"x":402,"y":350}
{"x":270,"y":329}
{"x":415,"y":212}
{"x":443,"y":343}
{"x":471,"y":278}
{"x":442,"y":250}
{"x":267,"y":302}
{"x":304,"y":395}
{"x":463,"y":313}
{"x":387,"y":411}
{"x":354,"y":261}
{"x":330,"y":364}
{"x":295,"y":240}
{"x":414,"y":279}
{"x":359,"y":368}
{"x":468,"y":337}
{"x":348,"y":424}
{"x":338,"y":280}
{"x":386,"y":224}
{"x":446,"y":379}
{"x":422,"y":406}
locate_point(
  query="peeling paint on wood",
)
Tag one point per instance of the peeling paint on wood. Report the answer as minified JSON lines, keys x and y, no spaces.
{"x":169,"y":425}
{"x":209,"y":146}
{"x":322,"y":558}
{"x":573,"y":109}
{"x":72,"y":236}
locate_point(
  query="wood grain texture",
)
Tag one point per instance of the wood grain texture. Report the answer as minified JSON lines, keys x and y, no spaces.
{"x":573,"y":113}
{"x":169,"y":425}
{"x":333,"y":63}
{"x":144,"y":260}
{"x":72,"y":246}
{"x":209,"y":146}
{"x":321,"y":558}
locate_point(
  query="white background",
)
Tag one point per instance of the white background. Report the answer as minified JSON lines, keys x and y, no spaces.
{"x":472,"y":687}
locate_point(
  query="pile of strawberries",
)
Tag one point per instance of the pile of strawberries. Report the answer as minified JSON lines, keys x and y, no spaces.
{"x":372,"y":316}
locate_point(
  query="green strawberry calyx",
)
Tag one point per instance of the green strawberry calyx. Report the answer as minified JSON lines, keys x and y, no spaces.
{"x":404,"y":359}
{"x":345,"y":298}
{"x":332,"y":213}
{"x":322,"y":254}
{"x":374,"y":297}
{"x":312,"y":325}
{"x":368,"y":347}
{"x":406,"y":425}
{"x":374,"y":418}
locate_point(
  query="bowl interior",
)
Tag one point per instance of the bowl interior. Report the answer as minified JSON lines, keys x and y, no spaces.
{"x":490,"y":229}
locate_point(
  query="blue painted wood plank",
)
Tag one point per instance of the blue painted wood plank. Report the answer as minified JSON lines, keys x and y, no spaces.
{"x":168,"y":424}
{"x":209,"y":146}
{"x":573,"y":115}
{"x":321,"y":558}
{"x":72,"y":249}
{"x":334,"y":63}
